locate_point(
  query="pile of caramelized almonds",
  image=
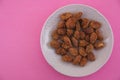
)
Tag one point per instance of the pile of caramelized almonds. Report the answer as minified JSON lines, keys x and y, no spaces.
{"x":75,"y":38}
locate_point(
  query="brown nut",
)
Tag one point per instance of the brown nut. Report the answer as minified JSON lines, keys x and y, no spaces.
{"x":61,"y":31}
{"x":61,"y":51}
{"x":99,"y":35}
{"x":67,"y":40}
{"x":84,"y":23}
{"x":83,"y":61}
{"x":88,"y":30}
{"x":78,"y":15}
{"x":66,"y":46}
{"x":74,"y":42}
{"x":66,"y":16}
{"x":93,"y":37}
{"x":73,"y":51}
{"x":77,"y":59}
{"x":67,"y":58}
{"x":54,"y":44}
{"x":70,"y":23}
{"x":69,"y":32}
{"x":89,"y":48}
{"x":87,"y":38}
{"x":82,"y":35}
{"x":99,"y":44}
{"x":95,"y":24}
{"x":82,"y":51}
{"x":83,"y":43}
{"x":78,"y":28}
{"x":55,"y":35}
{"x":91,"y":56}
{"x":61,"y":24}
{"x":77,"y":35}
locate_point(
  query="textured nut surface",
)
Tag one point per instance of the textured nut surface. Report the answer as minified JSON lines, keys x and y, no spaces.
{"x":54,"y":44}
{"x":61,"y":51}
{"x":74,"y":42}
{"x":85,"y":23}
{"x":77,"y":59}
{"x":89,"y":48}
{"x":66,"y":15}
{"x":83,"y":43}
{"x":83,"y":61}
{"x":95,"y":24}
{"x":67,"y":58}
{"x":61,"y":24}
{"x":82,"y":51}
{"x":69,"y":32}
{"x":61,"y":31}
{"x":78,"y":15}
{"x":70,"y":23}
{"x":73,"y":51}
{"x":91,"y":56}
{"x":93,"y":37}
{"x":55,"y":35}
{"x":99,"y":44}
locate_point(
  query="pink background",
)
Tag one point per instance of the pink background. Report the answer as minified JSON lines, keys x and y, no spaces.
{"x":21,"y":22}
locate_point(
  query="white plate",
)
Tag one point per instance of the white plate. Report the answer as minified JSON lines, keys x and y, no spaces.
{"x":68,"y":69}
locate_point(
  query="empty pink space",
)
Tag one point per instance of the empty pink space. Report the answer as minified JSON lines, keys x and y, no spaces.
{"x":21,"y":22}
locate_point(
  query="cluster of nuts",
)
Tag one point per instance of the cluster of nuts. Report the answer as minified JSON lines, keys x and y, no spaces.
{"x":76,"y":37}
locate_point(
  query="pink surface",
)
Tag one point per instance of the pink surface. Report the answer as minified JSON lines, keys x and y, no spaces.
{"x":21,"y":22}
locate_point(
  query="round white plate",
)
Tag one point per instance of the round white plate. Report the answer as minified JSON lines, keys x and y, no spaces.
{"x":69,"y":69}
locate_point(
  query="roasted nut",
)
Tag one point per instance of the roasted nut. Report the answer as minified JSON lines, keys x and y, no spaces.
{"x":55,"y":35}
{"x":99,"y":44}
{"x":77,"y":35}
{"x":69,"y":32}
{"x":61,"y":31}
{"x":66,"y":46}
{"x":78,"y":28}
{"x":82,"y":51}
{"x":89,"y":48}
{"x":54,"y":44}
{"x":84,"y":23}
{"x":83,"y":61}
{"x":78,"y":15}
{"x":87,"y":38}
{"x":67,"y":40}
{"x":74,"y":42}
{"x":73,"y":51}
{"x":95,"y":24}
{"x":61,"y":51}
{"x":77,"y":59}
{"x":99,"y":35}
{"x":67,"y":58}
{"x":91,"y":56}
{"x":70,"y":23}
{"x":88,"y":30}
{"x":93,"y":37}
{"x":66,"y":16}
{"x":83,"y":43}
{"x":61,"y":24}
{"x":61,"y":38}
{"x":82,"y":35}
